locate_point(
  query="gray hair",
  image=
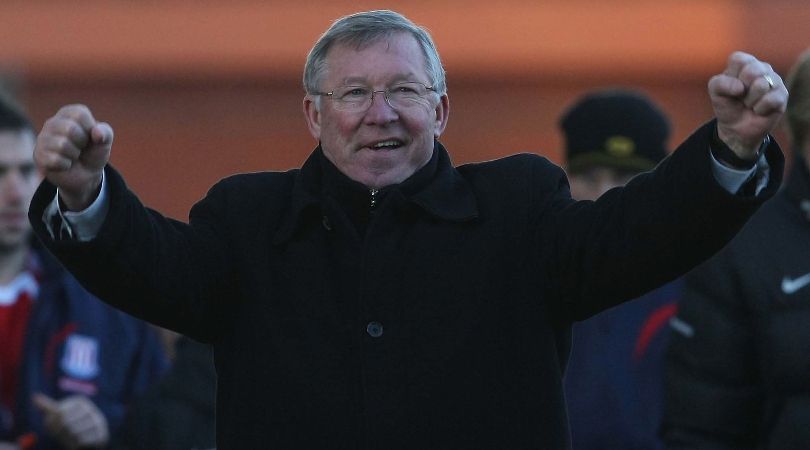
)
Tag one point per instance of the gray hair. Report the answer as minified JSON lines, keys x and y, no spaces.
{"x":798,"y":107}
{"x":365,"y":28}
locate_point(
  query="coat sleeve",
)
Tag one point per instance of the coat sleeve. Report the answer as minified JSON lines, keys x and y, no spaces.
{"x":155,"y":268}
{"x":714,"y":398}
{"x":645,"y":234}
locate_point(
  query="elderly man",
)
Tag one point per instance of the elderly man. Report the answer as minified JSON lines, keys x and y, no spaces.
{"x":380,"y":297}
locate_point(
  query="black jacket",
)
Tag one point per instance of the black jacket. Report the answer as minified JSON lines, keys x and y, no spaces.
{"x":438,"y":320}
{"x":739,"y":362}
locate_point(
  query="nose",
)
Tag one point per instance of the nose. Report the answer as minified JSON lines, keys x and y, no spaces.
{"x":380,"y":110}
{"x":13,"y":185}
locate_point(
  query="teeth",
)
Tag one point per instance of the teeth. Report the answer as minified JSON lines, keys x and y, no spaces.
{"x":386,"y":144}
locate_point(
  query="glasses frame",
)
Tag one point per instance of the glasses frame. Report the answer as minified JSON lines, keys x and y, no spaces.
{"x":385,"y":92}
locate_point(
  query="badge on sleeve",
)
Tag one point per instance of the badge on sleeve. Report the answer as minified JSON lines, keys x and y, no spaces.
{"x":80,"y":359}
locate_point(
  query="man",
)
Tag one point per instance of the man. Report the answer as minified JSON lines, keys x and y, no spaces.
{"x":379,"y":297}
{"x":611,"y":135}
{"x":69,"y":364}
{"x":738,"y":370}
{"x":616,"y":359}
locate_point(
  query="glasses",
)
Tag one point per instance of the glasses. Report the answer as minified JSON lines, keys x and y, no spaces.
{"x":359,"y":98}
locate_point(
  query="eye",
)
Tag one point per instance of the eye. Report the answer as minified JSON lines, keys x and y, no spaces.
{"x":28,"y":170}
{"x":353,"y":93}
{"x":405,"y":89}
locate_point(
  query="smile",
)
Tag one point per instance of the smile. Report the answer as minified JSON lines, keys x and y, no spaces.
{"x":390,"y":144}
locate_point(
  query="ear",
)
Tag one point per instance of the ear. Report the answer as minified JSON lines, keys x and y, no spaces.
{"x":442,"y":114}
{"x":313,"y":117}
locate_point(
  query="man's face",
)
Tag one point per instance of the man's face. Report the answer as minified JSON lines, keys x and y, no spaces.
{"x":18,"y":181}
{"x":351,"y":139}
{"x":591,"y":183}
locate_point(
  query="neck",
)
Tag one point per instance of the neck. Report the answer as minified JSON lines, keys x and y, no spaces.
{"x":12,"y":263}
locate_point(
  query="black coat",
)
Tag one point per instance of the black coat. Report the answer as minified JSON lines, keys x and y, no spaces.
{"x":442,"y":322}
{"x":739,"y":363}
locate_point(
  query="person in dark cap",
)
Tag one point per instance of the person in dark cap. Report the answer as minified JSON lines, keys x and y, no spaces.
{"x":611,"y":136}
{"x":614,"y":383}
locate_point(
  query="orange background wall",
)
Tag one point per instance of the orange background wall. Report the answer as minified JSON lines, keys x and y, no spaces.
{"x":197,"y":90}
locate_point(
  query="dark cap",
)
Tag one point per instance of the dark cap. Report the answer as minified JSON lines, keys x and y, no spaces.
{"x":614,"y":128}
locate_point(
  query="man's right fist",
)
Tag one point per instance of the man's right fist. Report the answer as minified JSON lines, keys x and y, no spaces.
{"x":71,"y":152}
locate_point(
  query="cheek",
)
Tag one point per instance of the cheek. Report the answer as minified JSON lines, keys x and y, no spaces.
{"x":421,"y":124}
{"x":340,"y":131}
{"x":33,"y":188}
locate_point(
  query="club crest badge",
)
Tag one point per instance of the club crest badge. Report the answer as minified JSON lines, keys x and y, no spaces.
{"x":80,"y":359}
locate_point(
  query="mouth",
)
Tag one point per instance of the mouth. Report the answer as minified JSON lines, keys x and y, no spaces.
{"x":12,"y":215}
{"x":388,"y":144}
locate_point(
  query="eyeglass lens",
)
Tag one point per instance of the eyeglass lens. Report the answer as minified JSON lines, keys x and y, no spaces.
{"x":400,"y":96}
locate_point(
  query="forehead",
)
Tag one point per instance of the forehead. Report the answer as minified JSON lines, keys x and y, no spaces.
{"x":16,"y":147}
{"x":393,"y":58}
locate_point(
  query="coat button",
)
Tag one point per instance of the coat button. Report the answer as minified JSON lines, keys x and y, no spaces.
{"x":374,"y":329}
{"x":326,"y":223}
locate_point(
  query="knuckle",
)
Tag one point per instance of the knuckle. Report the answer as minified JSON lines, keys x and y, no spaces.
{"x":73,"y":108}
{"x":739,"y":56}
{"x":748,"y":70}
{"x":76,"y":112}
{"x":52,"y":124}
{"x":61,"y":145}
{"x":68,"y":127}
{"x":52,"y":160}
{"x":57,"y":126}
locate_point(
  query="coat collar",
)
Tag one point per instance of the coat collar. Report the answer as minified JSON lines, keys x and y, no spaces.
{"x":445,"y":196}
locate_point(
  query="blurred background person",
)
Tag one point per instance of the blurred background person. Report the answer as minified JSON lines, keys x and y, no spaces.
{"x":613,"y":383}
{"x":738,"y":372}
{"x":69,"y":364}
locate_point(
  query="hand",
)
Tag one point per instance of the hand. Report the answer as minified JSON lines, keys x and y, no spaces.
{"x":746,"y":105}
{"x":72,"y":150}
{"x":74,"y":421}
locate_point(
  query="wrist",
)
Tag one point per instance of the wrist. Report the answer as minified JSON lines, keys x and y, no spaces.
{"x":79,"y":200}
{"x":733,"y":154}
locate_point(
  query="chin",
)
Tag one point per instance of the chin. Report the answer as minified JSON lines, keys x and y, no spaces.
{"x":389,"y":178}
{"x":7,"y":247}
{"x":373,"y":177}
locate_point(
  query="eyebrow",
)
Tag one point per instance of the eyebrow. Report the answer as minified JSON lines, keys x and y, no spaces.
{"x":21,"y":166}
{"x":350,"y":81}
